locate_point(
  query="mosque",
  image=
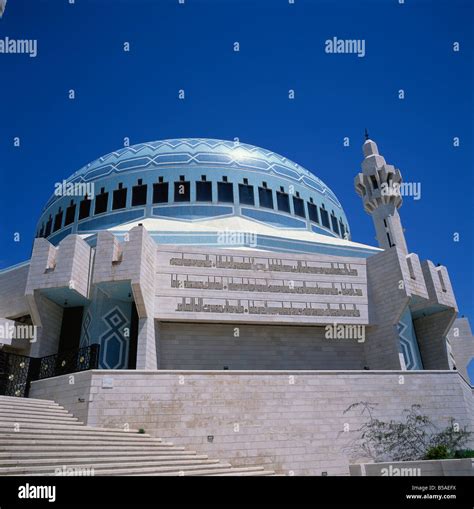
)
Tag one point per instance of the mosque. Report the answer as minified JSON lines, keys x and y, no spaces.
{"x":211,"y":271}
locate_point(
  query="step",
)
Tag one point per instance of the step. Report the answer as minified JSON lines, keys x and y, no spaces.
{"x":244,"y":471}
{"x":27,"y":401}
{"x":34,"y":416}
{"x":215,"y":472}
{"x":12,"y":437}
{"x":267,"y":473}
{"x":24,"y":438}
{"x":42,"y":415}
{"x":211,"y":466}
{"x":91,"y":460}
{"x":37,"y":419}
{"x":33,"y":408}
{"x":68,"y":445}
{"x":170,"y":470}
{"x":182,"y":470}
{"x":108,"y":467}
{"x":72,"y":428}
{"x":38,"y":403}
{"x":72,"y":435}
{"x":79,"y":453}
{"x":228,"y":470}
{"x":3,"y":397}
{"x":5,"y":409}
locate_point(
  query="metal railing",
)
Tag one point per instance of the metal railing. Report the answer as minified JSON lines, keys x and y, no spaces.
{"x":18,"y":371}
{"x":70,"y":361}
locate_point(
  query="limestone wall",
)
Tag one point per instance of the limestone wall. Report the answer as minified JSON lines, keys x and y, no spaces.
{"x":462,"y":345}
{"x":291,"y":421}
{"x":72,"y":391}
{"x":213,"y":346}
{"x":12,"y":295}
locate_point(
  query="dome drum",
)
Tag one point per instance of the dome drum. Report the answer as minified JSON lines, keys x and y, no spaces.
{"x":192,"y":180}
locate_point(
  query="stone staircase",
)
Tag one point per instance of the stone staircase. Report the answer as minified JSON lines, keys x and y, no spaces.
{"x":39,"y":437}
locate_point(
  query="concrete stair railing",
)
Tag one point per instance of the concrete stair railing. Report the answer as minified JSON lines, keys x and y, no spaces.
{"x":40,"y":437}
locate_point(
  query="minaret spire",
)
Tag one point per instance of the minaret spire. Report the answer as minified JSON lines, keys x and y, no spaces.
{"x":379,"y":187}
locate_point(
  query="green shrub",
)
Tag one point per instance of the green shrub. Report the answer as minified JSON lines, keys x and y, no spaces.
{"x":141,"y":431}
{"x":438,"y":452}
{"x":464,"y":453}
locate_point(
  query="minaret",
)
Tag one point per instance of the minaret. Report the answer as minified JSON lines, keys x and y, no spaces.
{"x":379,"y":187}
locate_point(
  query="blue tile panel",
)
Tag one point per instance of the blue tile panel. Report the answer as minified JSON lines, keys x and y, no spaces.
{"x":107,"y":322}
{"x":408,"y":342}
{"x":192,"y":211}
{"x":108,"y":220}
{"x":279,"y":220}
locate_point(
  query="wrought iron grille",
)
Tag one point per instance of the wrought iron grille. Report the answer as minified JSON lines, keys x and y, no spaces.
{"x":15,"y":374}
{"x":17,"y":371}
{"x":70,"y":361}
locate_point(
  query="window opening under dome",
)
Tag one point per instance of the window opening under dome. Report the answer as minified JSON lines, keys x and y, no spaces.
{"x":246,"y":194}
{"x":139,"y":193}
{"x":265,"y":197}
{"x":160,"y":191}
{"x":85,"y":208}
{"x":101,"y":201}
{"x":203,"y":190}
{"x":70,"y":213}
{"x":119,"y":198}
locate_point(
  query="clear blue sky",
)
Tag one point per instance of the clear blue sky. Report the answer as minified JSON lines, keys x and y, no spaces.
{"x":245,"y":94}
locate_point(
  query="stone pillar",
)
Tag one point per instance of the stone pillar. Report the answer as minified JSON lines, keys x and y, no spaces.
{"x":146,"y":348}
{"x":47,"y":316}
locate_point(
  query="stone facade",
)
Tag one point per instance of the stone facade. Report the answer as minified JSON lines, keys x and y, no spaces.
{"x":175,"y":297}
{"x":290,"y":421}
{"x":193,"y":285}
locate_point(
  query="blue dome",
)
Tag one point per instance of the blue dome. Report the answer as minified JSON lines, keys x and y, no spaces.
{"x":191,"y":179}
